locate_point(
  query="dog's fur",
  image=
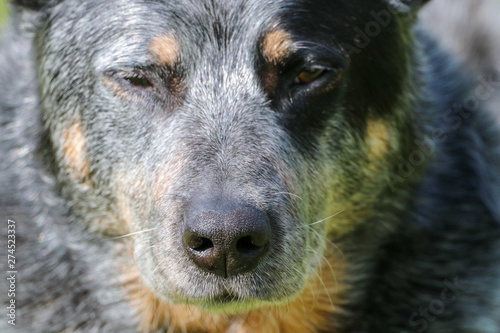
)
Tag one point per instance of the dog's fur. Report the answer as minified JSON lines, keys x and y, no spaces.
{"x":380,"y":176}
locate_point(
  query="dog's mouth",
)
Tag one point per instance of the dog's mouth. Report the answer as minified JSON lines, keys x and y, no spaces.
{"x":235,"y":296}
{"x":224,"y":301}
{"x":231,"y":303}
{"x":225,"y":298}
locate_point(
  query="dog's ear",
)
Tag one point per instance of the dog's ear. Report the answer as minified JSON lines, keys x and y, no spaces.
{"x":405,"y":6}
{"x":35,"y":4}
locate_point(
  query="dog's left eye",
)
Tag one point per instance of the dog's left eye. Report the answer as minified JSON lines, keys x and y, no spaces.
{"x":309,"y":75}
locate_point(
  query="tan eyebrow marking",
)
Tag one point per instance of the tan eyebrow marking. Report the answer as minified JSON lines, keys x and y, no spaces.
{"x":165,"y":48}
{"x":276,"y":45}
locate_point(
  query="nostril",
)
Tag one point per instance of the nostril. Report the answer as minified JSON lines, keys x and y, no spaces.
{"x":203,"y":245}
{"x":247,"y":245}
{"x":197,"y":243}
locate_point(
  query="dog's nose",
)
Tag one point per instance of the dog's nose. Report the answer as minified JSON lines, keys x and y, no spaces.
{"x":226,"y":239}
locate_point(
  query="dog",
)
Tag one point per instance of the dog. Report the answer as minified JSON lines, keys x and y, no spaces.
{"x":244,"y":166}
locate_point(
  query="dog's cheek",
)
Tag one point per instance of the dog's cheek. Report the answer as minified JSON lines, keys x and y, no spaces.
{"x":165,"y":198}
{"x":343,"y":176}
{"x":87,"y":199}
{"x":332,"y":178}
{"x":130,"y":189}
{"x":137,"y":191}
{"x":356,"y":179}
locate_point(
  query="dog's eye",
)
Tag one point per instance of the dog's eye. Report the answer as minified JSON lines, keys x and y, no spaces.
{"x":309,"y":75}
{"x":138,"y":81}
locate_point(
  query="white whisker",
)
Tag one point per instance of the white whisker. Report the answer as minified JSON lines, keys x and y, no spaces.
{"x":134,"y":233}
{"x":329,"y":217}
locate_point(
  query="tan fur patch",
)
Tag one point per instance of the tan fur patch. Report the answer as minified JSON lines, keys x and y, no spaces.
{"x":116,"y":89}
{"x":313,"y":311}
{"x":73,"y":149}
{"x":276,"y":45}
{"x":165,"y":48}
{"x":377,"y":139}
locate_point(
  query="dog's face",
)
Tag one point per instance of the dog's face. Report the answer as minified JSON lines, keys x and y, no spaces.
{"x":226,"y":133}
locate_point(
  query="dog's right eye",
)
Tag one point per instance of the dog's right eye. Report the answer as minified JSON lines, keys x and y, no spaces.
{"x":138,"y":81}
{"x":132,"y":81}
{"x":129,"y":84}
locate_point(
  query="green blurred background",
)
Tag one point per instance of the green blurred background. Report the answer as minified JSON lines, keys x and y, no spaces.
{"x":3,"y":8}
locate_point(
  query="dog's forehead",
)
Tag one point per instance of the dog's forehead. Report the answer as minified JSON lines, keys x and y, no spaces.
{"x":130,"y":29}
{"x":191,"y":17}
{"x":131,"y":24}
{"x":247,"y":17}
{"x":199,"y":33}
